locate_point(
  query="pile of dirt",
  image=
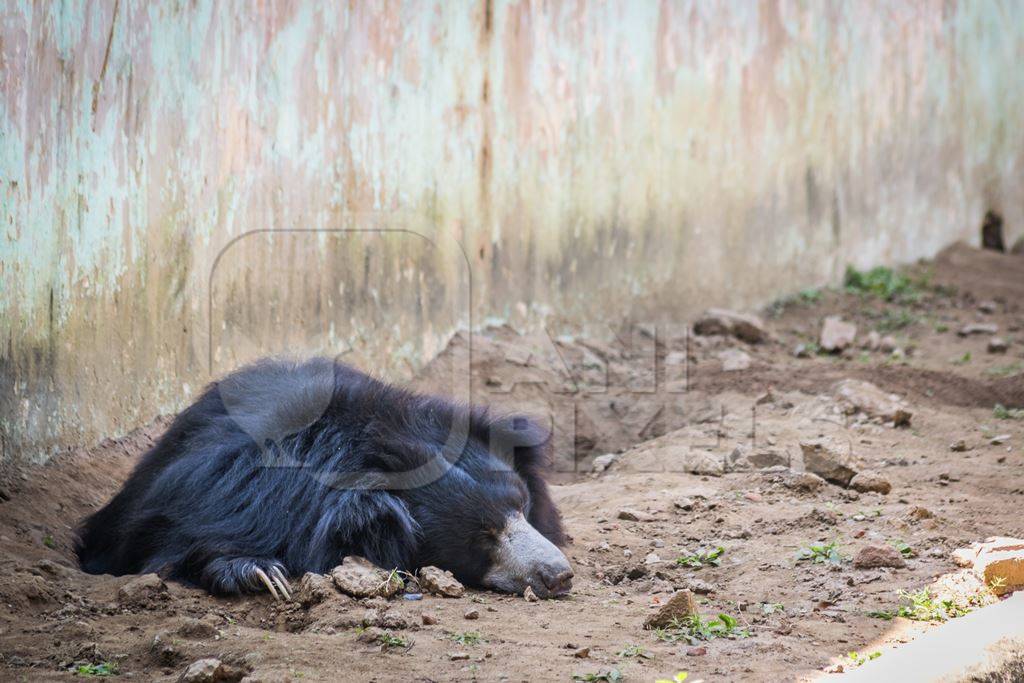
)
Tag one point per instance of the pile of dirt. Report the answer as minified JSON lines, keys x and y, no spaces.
{"x":698,"y":486}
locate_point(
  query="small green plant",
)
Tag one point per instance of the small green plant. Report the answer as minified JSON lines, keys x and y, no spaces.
{"x":468,"y":638}
{"x":858,"y":659}
{"x":923,"y":605}
{"x":100,"y":670}
{"x":962,"y":360}
{"x":389,"y":640}
{"x":610,"y":676}
{"x":808,"y":296}
{"x":820,"y":553}
{"x":1005,"y":370}
{"x":49,"y":542}
{"x":635,"y":651}
{"x":881,"y":282}
{"x":883,"y":614}
{"x":891,"y":321}
{"x":1001,"y":412}
{"x":695,"y":628}
{"x":941,"y":327}
{"x":903,"y":547}
{"x":678,"y":678}
{"x":711,"y":557}
{"x":772,"y":607}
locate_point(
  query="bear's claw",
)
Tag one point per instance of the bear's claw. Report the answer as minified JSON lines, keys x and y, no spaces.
{"x":276,"y":583}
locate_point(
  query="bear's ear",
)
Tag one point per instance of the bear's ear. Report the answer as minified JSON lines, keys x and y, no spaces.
{"x":372,"y":523}
{"x":526,"y":447}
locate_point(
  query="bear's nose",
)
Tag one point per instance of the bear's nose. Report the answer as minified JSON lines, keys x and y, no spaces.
{"x":557,"y":578}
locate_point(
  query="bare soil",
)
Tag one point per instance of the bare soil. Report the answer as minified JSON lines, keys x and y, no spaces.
{"x":639,"y":393}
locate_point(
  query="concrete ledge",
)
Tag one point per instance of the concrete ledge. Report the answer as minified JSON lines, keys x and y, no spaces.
{"x":986,"y":645}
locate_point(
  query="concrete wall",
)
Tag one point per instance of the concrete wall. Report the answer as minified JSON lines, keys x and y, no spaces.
{"x":580,"y":160}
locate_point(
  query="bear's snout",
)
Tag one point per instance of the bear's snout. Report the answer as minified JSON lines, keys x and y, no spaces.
{"x":556,"y":578}
{"x":523,"y":558}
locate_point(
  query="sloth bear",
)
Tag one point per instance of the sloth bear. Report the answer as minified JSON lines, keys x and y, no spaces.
{"x":283,"y":468}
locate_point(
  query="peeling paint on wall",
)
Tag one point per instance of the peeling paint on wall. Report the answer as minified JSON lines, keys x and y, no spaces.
{"x":586,"y":159}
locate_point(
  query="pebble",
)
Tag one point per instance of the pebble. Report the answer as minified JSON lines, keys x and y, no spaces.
{"x":529,"y":595}
{"x":472,"y":614}
{"x":428,"y":619}
{"x":998,"y":345}
{"x":958,"y":446}
{"x":581,"y":653}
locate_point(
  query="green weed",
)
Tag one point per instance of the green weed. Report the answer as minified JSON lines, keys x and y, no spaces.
{"x":710,"y":557}
{"x":820,"y":553}
{"x":695,"y":628}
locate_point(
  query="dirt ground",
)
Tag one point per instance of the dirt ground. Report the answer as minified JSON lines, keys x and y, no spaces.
{"x":660,"y":399}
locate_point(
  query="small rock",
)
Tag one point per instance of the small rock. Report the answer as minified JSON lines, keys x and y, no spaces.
{"x":978,"y":328}
{"x":360,"y":578}
{"x":697,"y":651}
{"x":829,"y":460}
{"x":440,"y":582}
{"x":208,"y":670}
{"x":700,"y":587}
{"x":428,"y":619}
{"x":875,"y":556}
{"x":999,"y":561}
{"x":866,"y":482}
{"x":988,"y":306}
{"x":529,"y":595}
{"x":629,"y":515}
{"x":801,"y":351}
{"x":804,"y":482}
{"x":412,"y":597}
{"x":142,"y":590}
{"x":997,"y":345}
{"x":581,"y":653}
{"x":919,"y":513}
{"x":682,"y":604}
{"x":603,"y":462}
{"x":313,"y":589}
{"x":857,"y":396}
{"x":888,"y":344}
{"x":872,"y":341}
{"x":744,"y":326}
{"x":999,"y":440}
{"x":472,"y":614}
{"x":836,"y":335}
{"x":652,"y":558}
{"x":958,"y":446}
{"x":684,"y":504}
{"x":458,"y":656}
{"x":768,"y":457}
{"x":734,"y":360}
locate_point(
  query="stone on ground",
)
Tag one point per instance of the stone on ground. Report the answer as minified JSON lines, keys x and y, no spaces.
{"x":440,"y":582}
{"x":744,"y":326}
{"x":734,"y":360}
{"x":360,"y":578}
{"x":681,"y":605}
{"x":829,"y":459}
{"x":207,"y":670}
{"x":867,"y":482}
{"x":313,"y":589}
{"x":998,"y":345}
{"x":876,"y":556}
{"x":836,"y":334}
{"x":999,"y":561}
{"x":858,"y":396}
{"x":978,"y":328}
